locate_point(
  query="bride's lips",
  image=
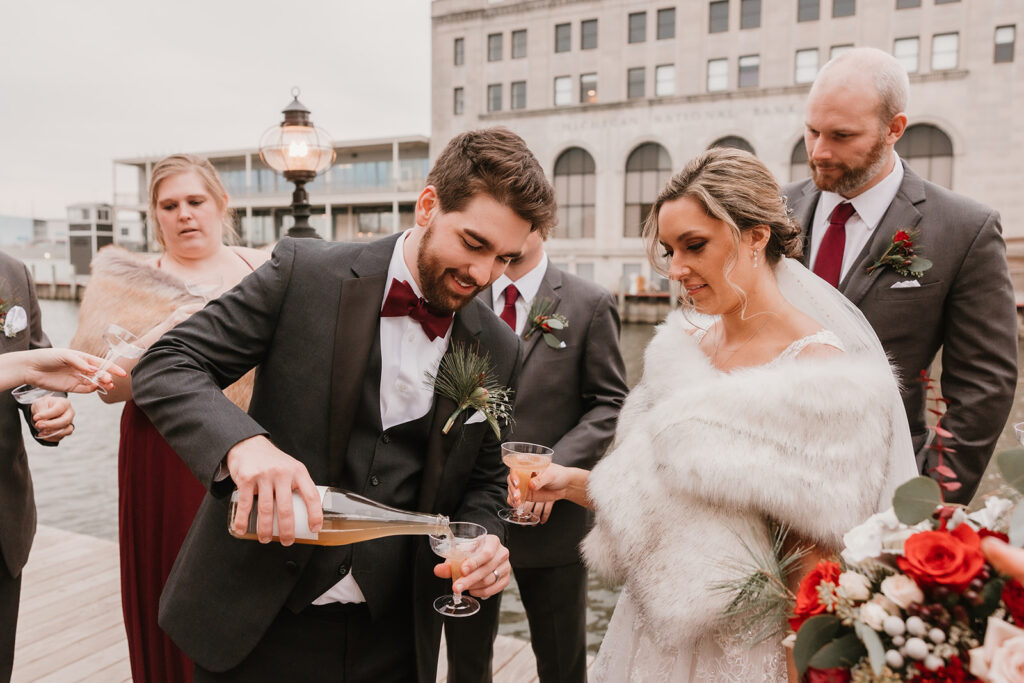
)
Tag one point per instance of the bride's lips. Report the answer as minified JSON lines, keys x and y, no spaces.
{"x":690,"y":289}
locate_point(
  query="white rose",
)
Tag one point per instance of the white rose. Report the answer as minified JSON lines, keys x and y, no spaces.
{"x":989,"y":516}
{"x":1000,"y":659}
{"x":15,"y":321}
{"x":873,"y":615}
{"x":902,"y":590}
{"x":887,"y":604}
{"x":854,"y":586}
{"x":863,"y":542}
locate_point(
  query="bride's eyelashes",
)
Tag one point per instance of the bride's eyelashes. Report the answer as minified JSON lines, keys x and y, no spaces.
{"x":696,"y":246}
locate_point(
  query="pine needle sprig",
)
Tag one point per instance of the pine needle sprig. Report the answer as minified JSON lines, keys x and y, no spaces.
{"x":467,"y":378}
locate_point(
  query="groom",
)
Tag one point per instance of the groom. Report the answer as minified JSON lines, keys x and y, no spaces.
{"x":343,"y":335}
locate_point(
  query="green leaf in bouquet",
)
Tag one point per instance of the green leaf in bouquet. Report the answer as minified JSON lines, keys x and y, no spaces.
{"x":916,"y":500}
{"x":876,"y":652}
{"x":919,"y":264}
{"x":814,"y":635}
{"x":843,"y":652}
{"x":1017,"y":527}
{"x":990,"y":597}
{"x":1011,"y":466}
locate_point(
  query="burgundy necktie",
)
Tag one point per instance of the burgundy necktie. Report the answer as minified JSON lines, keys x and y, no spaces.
{"x":402,"y":301}
{"x":829,"y":263}
{"x":508,"y":314}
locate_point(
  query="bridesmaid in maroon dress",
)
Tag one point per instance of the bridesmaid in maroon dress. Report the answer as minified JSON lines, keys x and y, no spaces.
{"x":158,"y":495}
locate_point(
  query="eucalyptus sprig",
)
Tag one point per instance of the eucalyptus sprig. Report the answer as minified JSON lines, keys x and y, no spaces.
{"x":468,"y":379}
{"x":541,"y":319}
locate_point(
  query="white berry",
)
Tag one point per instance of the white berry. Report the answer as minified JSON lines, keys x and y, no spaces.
{"x":916,"y":648}
{"x":933,"y":662}
{"x":898,"y":640}
{"x":916,"y":626}
{"x":894,"y":626}
{"x":894,"y":659}
{"x":937,"y":635}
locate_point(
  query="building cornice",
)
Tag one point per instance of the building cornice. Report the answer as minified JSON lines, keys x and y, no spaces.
{"x":504,"y":9}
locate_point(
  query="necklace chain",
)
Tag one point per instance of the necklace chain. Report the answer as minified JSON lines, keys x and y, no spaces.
{"x":714,"y":358}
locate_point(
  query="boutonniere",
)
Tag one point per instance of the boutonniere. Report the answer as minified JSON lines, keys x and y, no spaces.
{"x":540,"y":319}
{"x":901,"y":257}
{"x":468,"y":379}
{"x":12,"y":317}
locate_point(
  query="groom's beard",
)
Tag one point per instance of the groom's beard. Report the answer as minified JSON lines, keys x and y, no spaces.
{"x":852,"y":178}
{"x":433,"y":275}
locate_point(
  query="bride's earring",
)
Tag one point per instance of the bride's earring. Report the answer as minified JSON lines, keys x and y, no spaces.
{"x":755,"y":258}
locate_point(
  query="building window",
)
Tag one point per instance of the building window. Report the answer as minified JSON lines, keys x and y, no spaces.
{"x":647,"y":170}
{"x":585,"y":271}
{"x":517,"y":95}
{"x":945,"y":2}
{"x":718,"y":75}
{"x":563,"y":90}
{"x":665,"y":80}
{"x":733,"y":142}
{"x":1006,"y":36}
{"x":906,"y":51}
{"x":494,"y":47}
{"x":844,"y":8}
{"x":458,"y":102}
{"x":808,"y":10}
{"x":929,"y":151}
{"x":718,"y":16}
{"x":666,"y":23}
{"x":519,"y":44}
{"x":576,"y":192}
{"x":750,"y":66}
{"x":907,"y":4}
{"x":494,"y":97}
{"x":588,"y":88}
{"x":563,"y":37}
{"x":588,"y":34}
{"x":638,"y":27}
{"x":635,"y":82}
{"x":837,"y":50}
{"x":750,"y":14}
{"x":798,"y":168}
{"x":460,"y":51}
{"x":806,"y":65}
{"x":945,"y":47}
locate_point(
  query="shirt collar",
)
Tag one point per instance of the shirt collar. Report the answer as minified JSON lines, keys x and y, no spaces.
{"x":528,"y":285}
{"x":872,"y":204}
{"x":398,"y":270}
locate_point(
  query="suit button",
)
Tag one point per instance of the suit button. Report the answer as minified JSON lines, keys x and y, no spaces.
{"x":386,"y":438}
{"x":342,"y":570}
{"x":291,"y":566}
{"x":374,"y":481}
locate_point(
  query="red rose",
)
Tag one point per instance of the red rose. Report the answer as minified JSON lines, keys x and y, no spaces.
{"x":1013,"y":598}
{"x":951,"y":673}
{"x":983,"y":532}
{"x":807,"y":602}
{"x":902,"y":236}
{"x":950,"y":559}
{"x":826,"y":675}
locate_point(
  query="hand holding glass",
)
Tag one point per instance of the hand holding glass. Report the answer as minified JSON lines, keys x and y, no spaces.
{"x":27,"y":394}
{"x":465,"y":539}
{"x":120,"y":341}
{"x":525,"y":460}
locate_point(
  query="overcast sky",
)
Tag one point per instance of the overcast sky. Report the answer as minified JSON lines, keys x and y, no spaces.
{"x":83,"y":82}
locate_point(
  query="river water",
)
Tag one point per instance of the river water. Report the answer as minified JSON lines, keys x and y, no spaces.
{"x":76,"y":484}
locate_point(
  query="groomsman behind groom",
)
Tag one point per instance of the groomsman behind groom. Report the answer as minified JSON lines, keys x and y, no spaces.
{"x":859,"y":195}
{"x":568,"y":398}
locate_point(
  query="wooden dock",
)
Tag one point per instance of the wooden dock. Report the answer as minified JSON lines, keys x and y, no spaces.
{"x":70,"y":626}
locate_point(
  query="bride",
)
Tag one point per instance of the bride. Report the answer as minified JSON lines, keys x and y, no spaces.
{"x":768,"y":399}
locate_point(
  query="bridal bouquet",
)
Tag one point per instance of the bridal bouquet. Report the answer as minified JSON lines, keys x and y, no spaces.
{"x":914,"y":598}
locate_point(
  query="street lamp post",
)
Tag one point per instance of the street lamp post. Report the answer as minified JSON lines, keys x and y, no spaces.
{"x":298,"y":150}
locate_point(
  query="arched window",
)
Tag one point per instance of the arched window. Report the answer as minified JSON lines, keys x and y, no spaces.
{"x":647,"y":170}
{"x":735,"y":142}
{"x":575,"y":190}
{"x":798,"y":169}
{"x":929,"y":151}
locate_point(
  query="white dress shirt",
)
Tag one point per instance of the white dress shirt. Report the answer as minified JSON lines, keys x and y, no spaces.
{"x":406,"y":356}
{"x":869,"y":205}
{"x":528,"y":285}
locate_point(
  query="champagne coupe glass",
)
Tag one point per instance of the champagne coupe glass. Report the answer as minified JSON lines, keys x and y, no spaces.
{"x":205,"y":287}
{"x":121,"y":345}
{"x":464,"y":540}
{"x":1018,"y":429}
{"x":27,"y":394}
{"x":526,"y":460}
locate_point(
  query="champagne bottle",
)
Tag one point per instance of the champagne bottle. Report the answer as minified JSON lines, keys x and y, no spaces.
{"x":348,"y":518}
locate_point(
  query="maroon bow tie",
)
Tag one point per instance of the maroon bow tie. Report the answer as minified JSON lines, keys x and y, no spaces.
{"x":402,"y":301}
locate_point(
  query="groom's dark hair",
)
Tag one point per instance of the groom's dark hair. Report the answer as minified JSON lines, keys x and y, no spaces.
{"x":497,"y":162}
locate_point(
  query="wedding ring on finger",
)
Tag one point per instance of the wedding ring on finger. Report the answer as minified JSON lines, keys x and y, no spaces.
{"x":497,"y":576}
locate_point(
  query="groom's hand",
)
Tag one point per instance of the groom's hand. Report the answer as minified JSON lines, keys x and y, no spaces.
{"x":485,"y":573}
{"x":259,"y":468}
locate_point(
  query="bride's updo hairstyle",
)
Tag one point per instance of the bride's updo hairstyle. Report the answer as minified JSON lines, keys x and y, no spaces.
{"x":734,"y":187}
{"x":177,"y":164}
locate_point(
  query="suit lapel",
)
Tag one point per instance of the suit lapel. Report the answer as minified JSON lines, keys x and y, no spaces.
{"x":549,"y":288}
{"x":465,"y":331}
{"x":902,"y":213}
{"x":354,"y":334}
{"x":803,"y":212}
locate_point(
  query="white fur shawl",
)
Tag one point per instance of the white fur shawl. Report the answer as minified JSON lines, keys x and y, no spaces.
{"x":702,"y":459}
{"x":125,"y":289}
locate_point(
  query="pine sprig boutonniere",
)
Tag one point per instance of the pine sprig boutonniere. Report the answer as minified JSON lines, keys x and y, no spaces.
{"x":901,"y":257}
{"x":541,"y":319}
{"x":468,"y":379}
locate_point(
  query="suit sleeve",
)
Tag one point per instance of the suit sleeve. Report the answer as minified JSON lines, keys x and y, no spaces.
{"x":602,"y":387}
{"x":979,"y":357}
{"x":179,"y":381}
{"x":37,"y":340}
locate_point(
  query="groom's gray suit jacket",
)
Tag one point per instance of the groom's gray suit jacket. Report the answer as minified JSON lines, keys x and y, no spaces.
{"x":309,"y":319}
{"x":964,"y":306}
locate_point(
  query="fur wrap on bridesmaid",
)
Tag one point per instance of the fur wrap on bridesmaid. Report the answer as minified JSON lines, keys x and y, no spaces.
{"x":703,"y":459}
{"x":125,"y":289}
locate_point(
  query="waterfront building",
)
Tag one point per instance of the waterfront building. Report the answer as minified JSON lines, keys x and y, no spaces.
{"x":90,"y":228}
{"x":613,"y":96}
{"x":369,"y":191}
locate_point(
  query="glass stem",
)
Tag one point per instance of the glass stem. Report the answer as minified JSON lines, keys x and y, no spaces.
{"x":456,"y":597}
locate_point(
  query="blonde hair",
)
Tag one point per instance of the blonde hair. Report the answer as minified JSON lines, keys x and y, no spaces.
{"x":732,"y":186}
{"x":177,"y":164}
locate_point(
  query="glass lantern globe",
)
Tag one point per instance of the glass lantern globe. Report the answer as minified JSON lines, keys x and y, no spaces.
{"x":296,"y":148}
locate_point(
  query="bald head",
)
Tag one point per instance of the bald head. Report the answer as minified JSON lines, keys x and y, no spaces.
{"x":868,"y":72}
